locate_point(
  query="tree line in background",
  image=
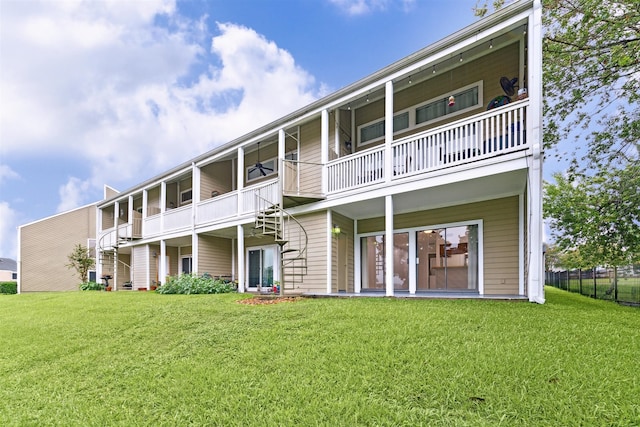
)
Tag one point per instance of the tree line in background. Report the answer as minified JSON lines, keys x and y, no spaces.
{"x":591,"y":67}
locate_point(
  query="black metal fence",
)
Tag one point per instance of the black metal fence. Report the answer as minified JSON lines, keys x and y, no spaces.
{"x":599,"y":283}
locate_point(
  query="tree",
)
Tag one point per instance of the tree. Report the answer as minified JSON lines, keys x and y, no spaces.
{"x":591,"y":66}
{"x":592,"y":81}
{"x":597,"y":216}
{"x":81,"y":261}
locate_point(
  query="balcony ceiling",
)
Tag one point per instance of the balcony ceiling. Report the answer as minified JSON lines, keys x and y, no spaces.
{"x":457,"y":193}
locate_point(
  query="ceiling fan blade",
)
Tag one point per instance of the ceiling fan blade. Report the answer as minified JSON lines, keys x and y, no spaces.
{"x":263,"y":172}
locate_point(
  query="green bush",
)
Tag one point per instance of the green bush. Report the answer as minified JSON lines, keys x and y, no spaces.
{"x":192,"y":284}
{"x":8,"y":287}
{"x":91,"y":286}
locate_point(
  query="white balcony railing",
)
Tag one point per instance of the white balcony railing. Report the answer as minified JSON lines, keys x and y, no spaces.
{"x":179,"y":218}
{"x":267,"y":191}
{"x":485,"y":135}
{"x":217,"y":208}
{"x":112,"y":237}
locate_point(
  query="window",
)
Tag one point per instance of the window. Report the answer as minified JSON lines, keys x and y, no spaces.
{"x":374,"y":131}
{"x":269,"y":167}
{"x":465,"y":99}
{"x":186,"y":196}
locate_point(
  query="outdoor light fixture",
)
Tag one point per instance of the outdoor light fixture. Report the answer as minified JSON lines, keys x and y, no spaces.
{"x":335,"y":230}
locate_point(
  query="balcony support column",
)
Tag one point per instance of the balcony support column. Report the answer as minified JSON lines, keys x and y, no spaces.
{"x":241,"y":269}
{"x":162,"y":265}
{"x":535,"y":283}
{"x":324,"y":147}
{"x":145,"y":206}
{"x":195,"y":199}
{"x":116,"y":213}
{"x":388,"y":131}
{"x":163,"y":203}
{"x":240,"y":177}
{"x":130,"y":212}
{"x":281,"y":166}
{"x":388,"y":244}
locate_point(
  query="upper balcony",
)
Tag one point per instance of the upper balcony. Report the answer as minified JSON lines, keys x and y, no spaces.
{"x":476,"y":138}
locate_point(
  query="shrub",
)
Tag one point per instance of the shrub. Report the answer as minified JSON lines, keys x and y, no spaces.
{"x":8,"y":287}
{"x":91,"y":286}
{"x":192,"y":284}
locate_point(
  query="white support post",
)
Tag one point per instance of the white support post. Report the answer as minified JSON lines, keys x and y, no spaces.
{"x":195,"y":184}
{"x":388,"y":131}
{"x":337,"y":132}
{"x":324,"y":147}
{"x":329,"y":256}
{"x":357,"y":264}
{"x":241,"y":269}
{"x":147,"y":251}
{"x":240,"y":178}
{"x":116,"y":215}
{"x":388,"y":244}
{"x":535,"y":285}
{"x":195,"y":263}
{"x":281,"y":166}
{"x":162,"y":266}
{"x":145,"y":206}
{"x":163,"y":203}
{"x":130,"y":212}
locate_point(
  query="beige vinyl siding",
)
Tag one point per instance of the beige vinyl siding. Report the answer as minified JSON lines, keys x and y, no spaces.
{"x":44,"y":246}
{"x":315,"y":225}
{"x":216,"y":177}
{"x":107,"y":221}
{"x":500,"y":236}
{"x":488,"y":69}
{"x":172,"y":194}
{"x":172,"y":253}
{"x":214,"y":256}
{"x":310,"y":146}
{"x":153,"y":201}
{"x":346,"y":232}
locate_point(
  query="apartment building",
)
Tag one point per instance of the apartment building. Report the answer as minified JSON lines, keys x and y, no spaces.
{"x":421,"y":179}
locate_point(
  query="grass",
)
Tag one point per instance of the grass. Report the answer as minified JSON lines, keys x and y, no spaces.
{"x":140,"y":358}
{"x":628,"y":288}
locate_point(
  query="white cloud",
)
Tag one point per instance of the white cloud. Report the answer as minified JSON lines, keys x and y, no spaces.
{"x":7,"y":173}
{"x":73,"y":194}
{"x":362,"y":7}
{"x":102,"y":82}
{"x":8,"y":234}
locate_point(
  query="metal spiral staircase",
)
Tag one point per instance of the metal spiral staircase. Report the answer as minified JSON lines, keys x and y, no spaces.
{"x":290,"y":235}
{"x":107,"y":248}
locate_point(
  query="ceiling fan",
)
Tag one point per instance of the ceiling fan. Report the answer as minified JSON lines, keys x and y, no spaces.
{"x":259,"y":166}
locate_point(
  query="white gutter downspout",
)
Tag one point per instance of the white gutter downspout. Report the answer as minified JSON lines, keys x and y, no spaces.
{"x":536,"y":277}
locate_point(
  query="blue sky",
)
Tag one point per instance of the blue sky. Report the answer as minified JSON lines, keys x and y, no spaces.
{"x":114,"y":92}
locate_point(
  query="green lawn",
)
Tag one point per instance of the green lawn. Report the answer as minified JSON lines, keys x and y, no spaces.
{"x":139,"y":358}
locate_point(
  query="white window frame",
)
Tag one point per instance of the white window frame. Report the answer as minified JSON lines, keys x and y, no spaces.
{"x":287,"y":156}
{"x":412,"y":113}
{"x":479,"y":84}
{"x":188,"y":201}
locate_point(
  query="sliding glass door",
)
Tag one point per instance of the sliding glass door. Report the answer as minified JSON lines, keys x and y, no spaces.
{"x":262,"y":268}
{"x":447,"y":259}
{"x":373,"y":262}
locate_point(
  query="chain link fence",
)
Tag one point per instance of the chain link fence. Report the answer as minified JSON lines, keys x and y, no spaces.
{"x":599,"y":283}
